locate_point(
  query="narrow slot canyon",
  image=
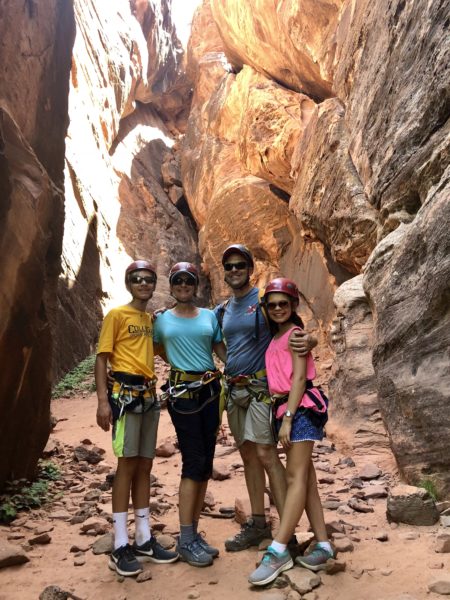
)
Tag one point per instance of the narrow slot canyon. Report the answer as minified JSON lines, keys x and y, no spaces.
{"x":317,"y":135}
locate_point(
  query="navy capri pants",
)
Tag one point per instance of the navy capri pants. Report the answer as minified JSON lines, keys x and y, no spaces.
{"x":197,"y":431}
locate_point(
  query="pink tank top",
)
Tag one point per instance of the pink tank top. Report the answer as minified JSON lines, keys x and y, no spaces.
{"x":279,"y":364}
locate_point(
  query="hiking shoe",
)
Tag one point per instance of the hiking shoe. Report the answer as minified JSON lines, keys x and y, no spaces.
{"x":315,"y":560}
{"x":124,"y":561}
{"x":249,"y":535}
{"x":152,"y":551}
{"x":271,"y":566}
{"x":194,"y":554}
{"x":214,"y":552}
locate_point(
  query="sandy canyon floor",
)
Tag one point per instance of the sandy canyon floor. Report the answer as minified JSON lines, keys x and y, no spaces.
{"x":398,"y":568}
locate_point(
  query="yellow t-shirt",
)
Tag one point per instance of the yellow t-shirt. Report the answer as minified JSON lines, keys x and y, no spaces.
{"x":127,"y":336}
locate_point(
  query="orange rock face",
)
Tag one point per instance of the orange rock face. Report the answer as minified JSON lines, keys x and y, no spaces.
{"x":116,"y":206}
{"x":31,"y":169}
{"x":291,"y":42}
{"x":341,"y":110}
{"x":329,"y":197}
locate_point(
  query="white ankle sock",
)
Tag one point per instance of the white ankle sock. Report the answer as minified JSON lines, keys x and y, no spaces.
{"x":280,"y":548}
{"x":142,"y":523}
{"x":326,"y":546}
{"x":120,"y":529}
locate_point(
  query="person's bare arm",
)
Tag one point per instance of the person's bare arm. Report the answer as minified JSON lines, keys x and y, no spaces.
{"x":104,"y":413}
{"x":221,"y":350}
{"x":295,"y":394}
{"x":301,"y":343}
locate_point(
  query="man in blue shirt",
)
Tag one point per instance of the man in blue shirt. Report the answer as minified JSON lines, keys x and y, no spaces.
{"x":248,"y":403}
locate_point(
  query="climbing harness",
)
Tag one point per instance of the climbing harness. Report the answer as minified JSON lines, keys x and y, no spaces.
{"x":187,"y":386}
{"x":242,"y":389}
{"x":133,"y":393}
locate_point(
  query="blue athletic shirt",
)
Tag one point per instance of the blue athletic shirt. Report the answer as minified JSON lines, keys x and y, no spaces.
{"x":245,"y":353}
{"x":188,"y":342}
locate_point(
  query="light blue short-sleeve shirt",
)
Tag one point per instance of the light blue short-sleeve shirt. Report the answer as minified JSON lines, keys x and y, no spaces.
{"x":188,"y":342}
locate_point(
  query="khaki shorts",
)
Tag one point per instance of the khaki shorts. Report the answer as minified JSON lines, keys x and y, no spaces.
{"x":135,"y":434}
{"x":250,"y":424}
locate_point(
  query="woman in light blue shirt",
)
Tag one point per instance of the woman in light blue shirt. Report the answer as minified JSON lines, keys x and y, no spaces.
{"x":190,"y":334}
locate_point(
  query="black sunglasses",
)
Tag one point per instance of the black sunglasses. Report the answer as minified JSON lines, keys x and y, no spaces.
{"x":273,"y":305}
{"x":181,"y":280}
{"x":138,"y":279}
{"x":239,"y":266}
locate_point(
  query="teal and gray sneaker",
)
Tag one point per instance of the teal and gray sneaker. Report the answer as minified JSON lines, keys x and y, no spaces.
{"x":316,"y":560}
{"x":214,"y":552}
{"x":271,"y":566}
{"x":124,"y":561}
{"x":152,"y":551}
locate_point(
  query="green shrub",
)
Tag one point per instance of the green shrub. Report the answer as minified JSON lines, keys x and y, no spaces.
{"x":80,"y":379}
{"x":21,"y":495}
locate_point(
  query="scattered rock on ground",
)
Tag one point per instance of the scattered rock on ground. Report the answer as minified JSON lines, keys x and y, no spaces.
{"x":166,"y":449}
{"x":166,"y":541}
{"x":209,"y":501}
{"x":104,"y":544}
{"x":53,"y":592}
{"x":411,"y":505}
{"x":144,"y":576}
{"x":375,"y":491}
{"x":333,"y":566}
{"x":369,"y":471}
{"x":440,"y":585}
{"x":359,"y":505}
{"x":344,"y":545}
{"x":220,"y":472}
{"x":442,"y":543}
{"x":302,"y":580}
{"x":44,"y":538}
{"x":11,"y":555}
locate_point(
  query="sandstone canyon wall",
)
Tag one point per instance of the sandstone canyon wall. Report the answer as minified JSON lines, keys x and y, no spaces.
{"x":316,"y":130}
{"x":128,"y":97}
{"x":35,"y":56}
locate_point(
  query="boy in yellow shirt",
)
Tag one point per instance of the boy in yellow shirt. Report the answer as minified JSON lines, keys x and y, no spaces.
{"x":131,"y":407}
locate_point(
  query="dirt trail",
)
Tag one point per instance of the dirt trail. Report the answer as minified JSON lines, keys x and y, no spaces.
{"x":404,"y":564}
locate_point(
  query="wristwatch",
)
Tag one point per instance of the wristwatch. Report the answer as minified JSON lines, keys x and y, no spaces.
{"x":288,"y":414}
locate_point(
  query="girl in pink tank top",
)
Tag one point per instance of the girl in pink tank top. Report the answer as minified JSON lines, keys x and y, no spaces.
{"x":300,"y":416}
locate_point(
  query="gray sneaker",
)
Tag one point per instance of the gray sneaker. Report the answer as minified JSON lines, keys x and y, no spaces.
{"x":249,"y":535}
{"x":316,"y":560}
{"x":214,"y":552}
{"x":194,"y":554}
{"x":271,"y":566}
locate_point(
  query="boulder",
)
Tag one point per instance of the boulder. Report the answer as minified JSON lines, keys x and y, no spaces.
{"x":406,"y":279}
{"x":411,"y":505}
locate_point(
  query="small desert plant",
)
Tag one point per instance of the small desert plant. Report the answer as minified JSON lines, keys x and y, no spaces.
{"x":430,"y":486}
{"x":78,"y":380}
